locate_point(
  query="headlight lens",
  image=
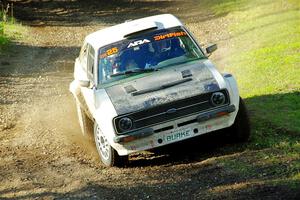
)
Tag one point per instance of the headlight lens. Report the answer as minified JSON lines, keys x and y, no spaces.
{"x":125,"y":124}
{"x":217,"y":99}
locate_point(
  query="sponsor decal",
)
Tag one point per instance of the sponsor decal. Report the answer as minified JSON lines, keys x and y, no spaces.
{"x":109,"y":52}
{"x":221,"y":120}
{"x":133,"y":147}
{"x":208,"y":127}
{"x":170,"y":35}
{"x":204,"y":128}
{"x":138,"y":42}
{"x":139,"y":145}
{"x":178,"y":135}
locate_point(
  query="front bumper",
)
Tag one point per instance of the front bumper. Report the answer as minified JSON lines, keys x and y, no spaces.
{"x":201,"y":117}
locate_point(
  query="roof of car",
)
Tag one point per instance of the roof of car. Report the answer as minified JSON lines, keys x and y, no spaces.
{"x":116,"y":33}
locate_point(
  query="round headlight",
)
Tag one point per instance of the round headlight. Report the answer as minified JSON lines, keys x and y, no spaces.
{"x":217,"y":98}
{"x":125,"y":124}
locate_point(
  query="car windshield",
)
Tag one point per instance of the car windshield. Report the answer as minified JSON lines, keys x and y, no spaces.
{"x":146,"y":53}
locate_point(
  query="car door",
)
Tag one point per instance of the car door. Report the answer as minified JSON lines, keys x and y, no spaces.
{"x":88,"y":92}
{"x":81,"y":64}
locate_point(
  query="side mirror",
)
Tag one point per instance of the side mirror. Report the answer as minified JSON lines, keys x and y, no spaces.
{"x":211,"y":48}
{"x":84,"y":83}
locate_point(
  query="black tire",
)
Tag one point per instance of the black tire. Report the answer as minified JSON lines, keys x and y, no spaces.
{"x":85,"y":123}
{"x":108,"y":155}
{"x":240,"y":130}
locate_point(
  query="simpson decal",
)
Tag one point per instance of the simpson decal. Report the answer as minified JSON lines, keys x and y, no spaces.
{"x":169,"y":35}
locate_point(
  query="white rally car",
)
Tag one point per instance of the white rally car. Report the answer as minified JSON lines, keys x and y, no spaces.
{"x":147,"y":83}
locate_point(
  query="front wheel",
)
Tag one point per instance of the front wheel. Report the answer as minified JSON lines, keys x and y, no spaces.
{"x":240,"y":130}
{"x":108,"y":155}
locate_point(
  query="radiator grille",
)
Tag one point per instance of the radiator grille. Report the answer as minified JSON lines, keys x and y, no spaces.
{"x":169,"y":111}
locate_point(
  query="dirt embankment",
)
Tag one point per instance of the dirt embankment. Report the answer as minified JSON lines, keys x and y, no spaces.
{"x":42,"y":152}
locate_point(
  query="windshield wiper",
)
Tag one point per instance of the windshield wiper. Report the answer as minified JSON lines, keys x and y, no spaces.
{"x":135,"y":71}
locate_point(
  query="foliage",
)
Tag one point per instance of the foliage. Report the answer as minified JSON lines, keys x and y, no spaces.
{"x":9,"y":29}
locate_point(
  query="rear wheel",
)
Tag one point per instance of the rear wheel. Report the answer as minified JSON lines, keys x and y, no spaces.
{"x":86,"y":124}
{"x":240,"y":130}
{"x":108,"y":155}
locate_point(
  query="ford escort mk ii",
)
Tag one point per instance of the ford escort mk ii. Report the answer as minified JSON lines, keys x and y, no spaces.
{"x":147,"y":83}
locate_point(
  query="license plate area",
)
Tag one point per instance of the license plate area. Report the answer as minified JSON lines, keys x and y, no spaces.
{"x":177,"y":135}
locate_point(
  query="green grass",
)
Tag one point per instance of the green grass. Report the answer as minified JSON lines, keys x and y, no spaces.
{"x":265,"y":59}
{"x":3,"y":38}
{"x":9,"y":31}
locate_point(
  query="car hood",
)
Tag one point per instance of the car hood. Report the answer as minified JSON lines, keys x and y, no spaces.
{"x":191,"y":79}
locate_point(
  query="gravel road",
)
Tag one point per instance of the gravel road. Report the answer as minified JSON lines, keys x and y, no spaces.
{"x":42,"y":152}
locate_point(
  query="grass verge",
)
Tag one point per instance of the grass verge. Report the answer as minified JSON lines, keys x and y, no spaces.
{"x":9,"y":30}
{"x":265,"y":59}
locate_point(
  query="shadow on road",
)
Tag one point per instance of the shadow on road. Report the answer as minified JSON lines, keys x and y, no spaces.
{"x":189,"y":151}
{"x":85,"y":12}
{"x":25,"y":59}
{"x":264,"y":135}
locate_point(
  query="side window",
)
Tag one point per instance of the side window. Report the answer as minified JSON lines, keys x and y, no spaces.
{"x":90,"y":62}
{"x":83,"y":55}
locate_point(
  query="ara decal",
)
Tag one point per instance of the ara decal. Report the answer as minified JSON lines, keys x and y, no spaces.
{"x":138,"y":42}
{"x":169,"y":35}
